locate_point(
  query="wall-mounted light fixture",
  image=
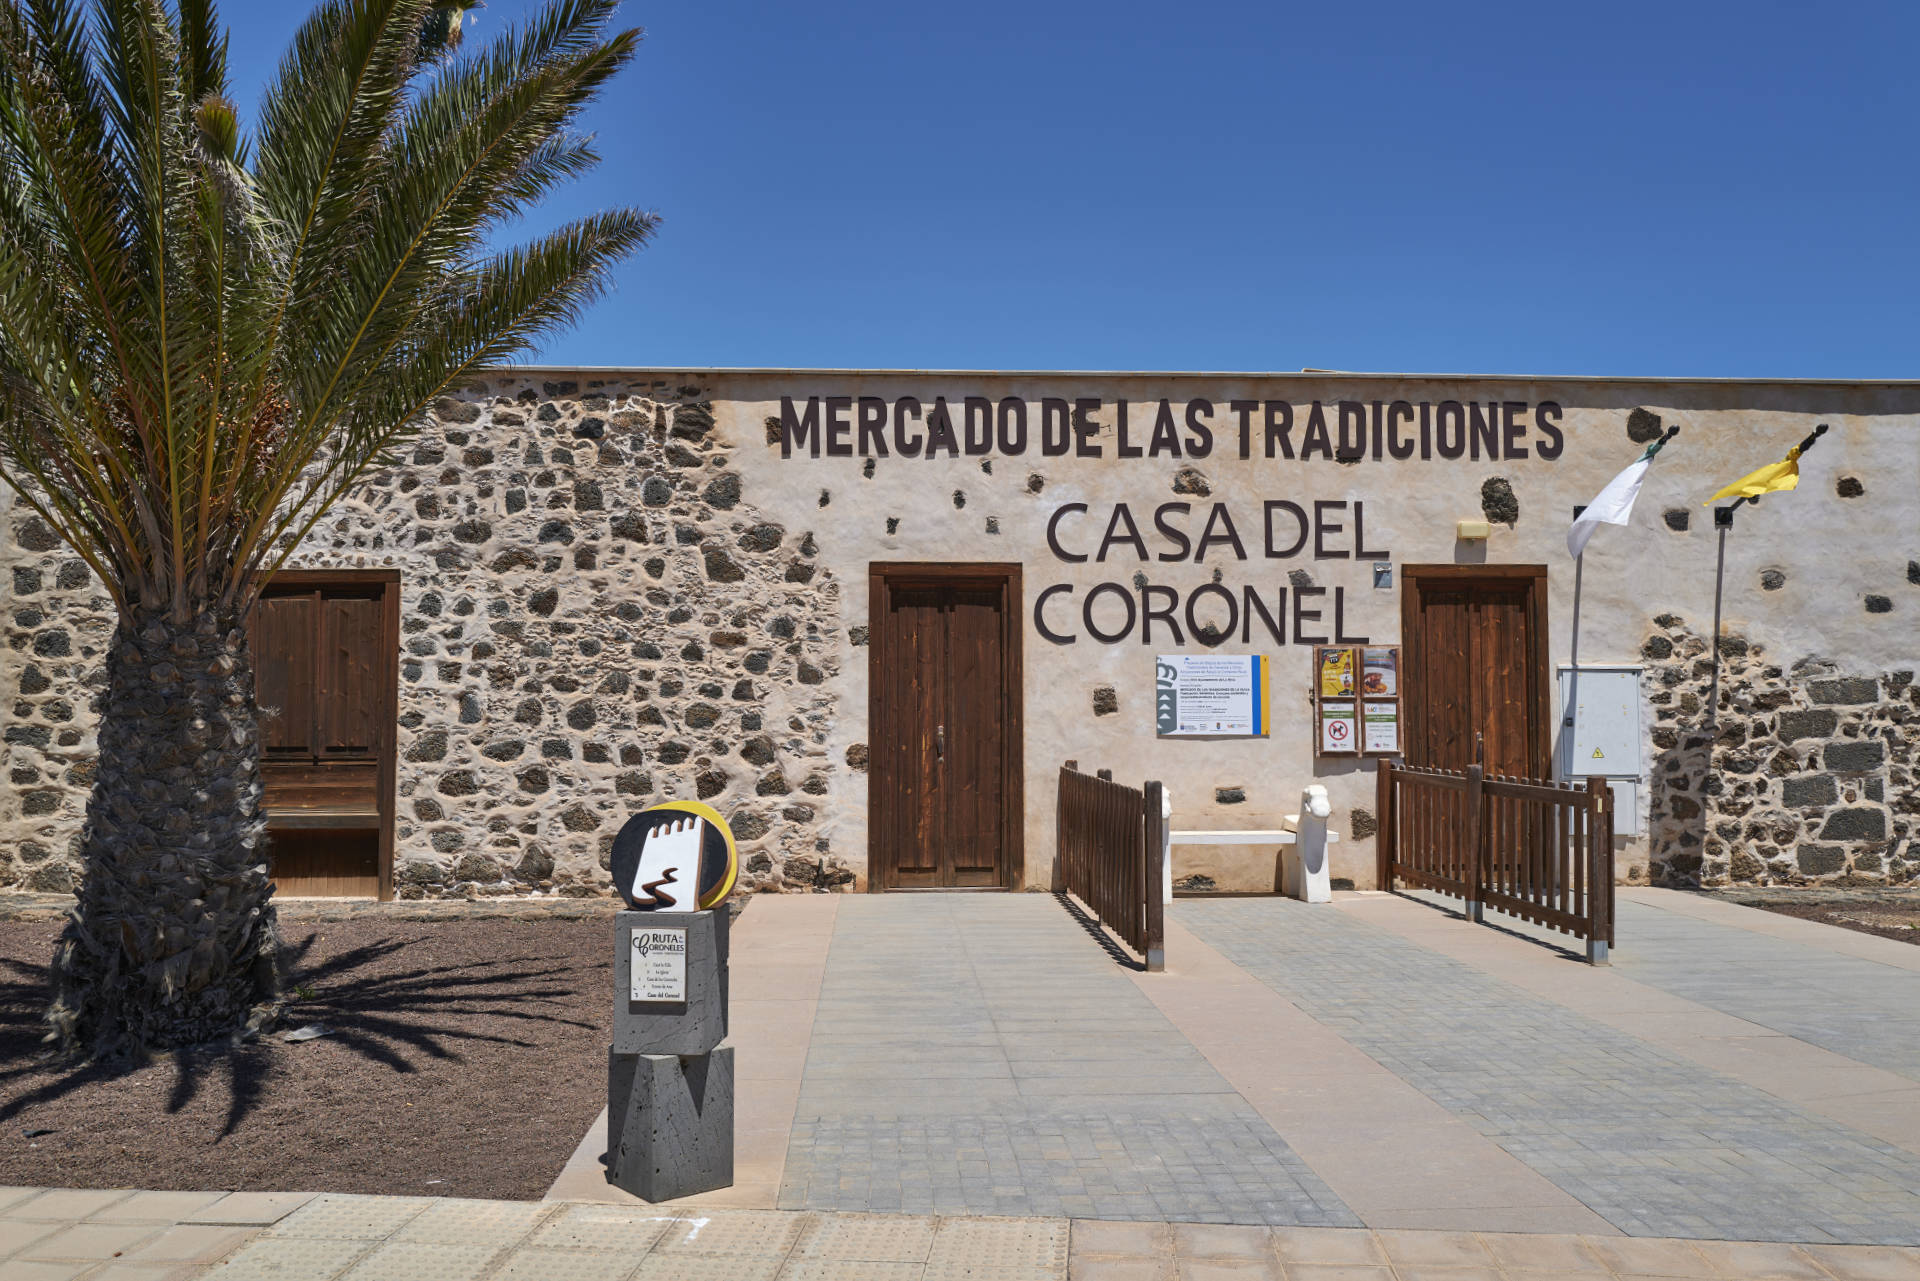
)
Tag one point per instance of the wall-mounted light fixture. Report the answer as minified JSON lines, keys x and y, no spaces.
{"x":1383,"y":575}
{"x":1472,"y":531}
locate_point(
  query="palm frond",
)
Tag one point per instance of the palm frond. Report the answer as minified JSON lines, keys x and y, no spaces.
{"x":207,"y":333}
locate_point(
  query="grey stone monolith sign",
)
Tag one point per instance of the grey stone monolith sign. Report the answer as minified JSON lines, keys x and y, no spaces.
{"x":697,"y":1021}
{"x":669,"y":1077}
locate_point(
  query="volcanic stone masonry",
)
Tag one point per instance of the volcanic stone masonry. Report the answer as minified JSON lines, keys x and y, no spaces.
{"x":1808,"y":776}
{"x":588,"y":600}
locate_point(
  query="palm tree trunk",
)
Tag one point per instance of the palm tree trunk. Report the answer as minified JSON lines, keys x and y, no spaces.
{"x":173,"y":940}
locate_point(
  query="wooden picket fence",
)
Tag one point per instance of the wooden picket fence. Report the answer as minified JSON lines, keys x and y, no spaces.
{"x":1540,"y":851}
{"x":1109,"y":848}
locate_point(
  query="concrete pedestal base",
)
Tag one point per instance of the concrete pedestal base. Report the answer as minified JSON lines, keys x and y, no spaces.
{"x":670,"y":1123}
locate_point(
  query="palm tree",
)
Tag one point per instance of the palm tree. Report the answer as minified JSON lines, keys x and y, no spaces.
{"x":207,"y":335}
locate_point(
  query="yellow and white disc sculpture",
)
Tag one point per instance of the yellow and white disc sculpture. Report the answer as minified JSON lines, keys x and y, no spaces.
{"x":677,"y":856}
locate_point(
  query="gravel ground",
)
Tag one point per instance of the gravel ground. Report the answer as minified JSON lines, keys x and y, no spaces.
{"x":1891,"y":921}
{"x":465,"y":1058}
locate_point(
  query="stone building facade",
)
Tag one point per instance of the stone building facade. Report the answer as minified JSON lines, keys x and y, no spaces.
{"x":590,"y":601}
{"x":620,"y":586}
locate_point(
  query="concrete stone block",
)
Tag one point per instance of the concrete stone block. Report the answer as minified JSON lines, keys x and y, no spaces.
{"x":670,"y":1123}
{"x":1814,"y":789}
{"x":1846,"y":690}
{"x":693,"y":1026}
{"x":1817,"y":723}
{"x":1855,"y":757}
{"x":1855,"y":825}
{"x":1822,"y":860}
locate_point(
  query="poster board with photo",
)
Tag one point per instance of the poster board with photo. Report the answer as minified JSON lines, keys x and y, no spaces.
{"x":1356,"y":696}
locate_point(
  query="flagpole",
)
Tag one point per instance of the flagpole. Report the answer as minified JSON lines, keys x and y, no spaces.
{"x":1723,"y":521}
{"x":1619,"y":506}
{"x":1573,"y":676}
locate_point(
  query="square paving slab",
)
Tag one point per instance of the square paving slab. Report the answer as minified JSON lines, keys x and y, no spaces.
{"x":979,"y":1054}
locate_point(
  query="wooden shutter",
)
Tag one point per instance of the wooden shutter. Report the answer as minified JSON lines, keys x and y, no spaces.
{"x":350,"y":704}
{"x":284,"y":633}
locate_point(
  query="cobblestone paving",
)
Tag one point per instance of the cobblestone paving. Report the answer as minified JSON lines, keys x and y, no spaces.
{"x":1852,"y":1006}
{"x":980,"y":1054}
{"x":1654,"y":1144}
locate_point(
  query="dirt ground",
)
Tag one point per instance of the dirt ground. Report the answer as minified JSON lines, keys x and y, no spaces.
{"x":1891,"y":921}
{"x":465,"y":1058}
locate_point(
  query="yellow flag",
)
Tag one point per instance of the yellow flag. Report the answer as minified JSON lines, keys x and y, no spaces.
{"x":1770,"y":479}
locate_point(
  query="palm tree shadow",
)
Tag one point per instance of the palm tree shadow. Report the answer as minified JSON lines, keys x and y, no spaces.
{"x":396,"y":1018}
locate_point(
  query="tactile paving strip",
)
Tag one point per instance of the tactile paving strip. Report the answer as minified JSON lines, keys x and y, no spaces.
{"x":284,"y":1258}
{"x":603,"y":1227}
{"x":709,"y":1267}
{"x":850,"y":1270}
{"x":878,"y":1238}
{"x":460,"y":1222}
{"x":973,"y":1272}
{"x":564,"y":1265}
{"x":749,"y":1233}
{"x":424,"y":1261}
{"x":350,"y":1218}
{"x":1001,"y":1243}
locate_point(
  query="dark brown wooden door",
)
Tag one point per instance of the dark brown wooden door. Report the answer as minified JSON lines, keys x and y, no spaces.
{"x":1474,"y":643}
{"x":945,"y":754}
{"x":325,"y":655}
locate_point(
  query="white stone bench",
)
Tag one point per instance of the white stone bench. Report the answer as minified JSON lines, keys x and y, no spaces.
{"x":1287,"y":835}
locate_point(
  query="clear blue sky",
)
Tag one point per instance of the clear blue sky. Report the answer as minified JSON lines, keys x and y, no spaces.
{"x":1622,"y":188}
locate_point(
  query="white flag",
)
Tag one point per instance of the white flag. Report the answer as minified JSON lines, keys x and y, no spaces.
{"x":1613,"y":505}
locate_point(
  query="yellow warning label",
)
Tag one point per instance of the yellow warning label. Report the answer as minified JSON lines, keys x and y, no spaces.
{"x":1597,"y":755}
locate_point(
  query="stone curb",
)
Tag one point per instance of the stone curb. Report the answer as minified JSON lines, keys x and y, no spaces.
{"x":54,"y":907}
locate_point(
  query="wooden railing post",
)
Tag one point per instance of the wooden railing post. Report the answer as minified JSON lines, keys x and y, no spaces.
{"x":1477,"y":859}
{"x":1383,"y":838}
{"x":1155,"y":876}
{"x":1599,"y":871}
{"x":1062,"y":880}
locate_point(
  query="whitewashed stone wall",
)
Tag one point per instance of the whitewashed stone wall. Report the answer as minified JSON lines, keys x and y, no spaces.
{"x":594,"y":618}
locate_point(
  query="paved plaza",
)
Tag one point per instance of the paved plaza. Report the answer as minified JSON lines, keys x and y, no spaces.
{"x":1654,"y":1144}
{"x":981,"y":1086}
{"x":55,"y":1235}
{"x":1376,"y":1062}
{"x":972,"y":1056}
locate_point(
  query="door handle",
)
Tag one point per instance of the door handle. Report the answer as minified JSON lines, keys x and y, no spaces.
{"x":940,"y":741}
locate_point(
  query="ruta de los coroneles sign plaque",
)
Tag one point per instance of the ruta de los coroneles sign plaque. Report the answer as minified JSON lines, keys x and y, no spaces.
{"x":677,"y":856}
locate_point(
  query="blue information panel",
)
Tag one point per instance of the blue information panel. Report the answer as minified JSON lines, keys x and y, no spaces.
{"x":1212,"y":695}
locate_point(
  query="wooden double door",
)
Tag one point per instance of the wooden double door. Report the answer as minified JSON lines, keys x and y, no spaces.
{"x":944,"y":723}
{"x":1475,"y":649}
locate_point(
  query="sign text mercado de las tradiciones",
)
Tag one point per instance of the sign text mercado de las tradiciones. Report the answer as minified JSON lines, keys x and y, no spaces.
{"x":1351,"y":432}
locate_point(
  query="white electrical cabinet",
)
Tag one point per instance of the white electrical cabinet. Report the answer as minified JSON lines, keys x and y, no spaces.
{"x":1598,"y":733}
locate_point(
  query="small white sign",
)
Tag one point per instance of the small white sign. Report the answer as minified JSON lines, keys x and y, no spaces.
{"x":659,"y":965}
{"x":1338,"y":727}
{"x":1380,"y":727}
